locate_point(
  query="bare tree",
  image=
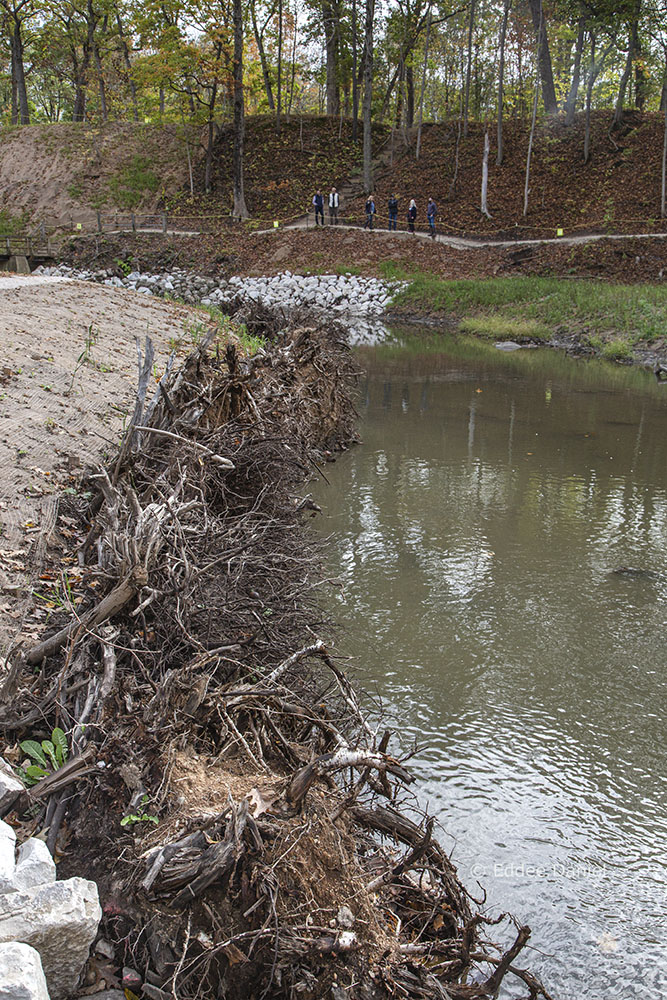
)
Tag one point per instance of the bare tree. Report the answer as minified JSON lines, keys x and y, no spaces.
{"x":240,"y":211}
{"x":368,"y":95}
{"x":544,"y":58}
{"x":501,"y":78}
{"x":571,"y":103}
{"x":423,"y":86}
{"x":466,"y":99}
{"x":485,"y":176}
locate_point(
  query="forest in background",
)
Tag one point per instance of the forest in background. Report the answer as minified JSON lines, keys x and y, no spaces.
{"x":399,"y":63}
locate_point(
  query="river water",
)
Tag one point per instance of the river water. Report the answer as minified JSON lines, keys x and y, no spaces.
{"x":474,"y":538}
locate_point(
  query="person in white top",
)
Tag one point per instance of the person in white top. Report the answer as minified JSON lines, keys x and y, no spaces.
{"x":333,"y":207}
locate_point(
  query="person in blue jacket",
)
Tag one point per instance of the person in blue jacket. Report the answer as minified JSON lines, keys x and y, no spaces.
{"x":370,"y":212}
{"x":318,"y":202}
{"x":431,"y":209}
{"x":393,"y":211}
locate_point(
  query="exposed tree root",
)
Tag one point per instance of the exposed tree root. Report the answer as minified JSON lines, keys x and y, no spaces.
{"x":288,"y":858}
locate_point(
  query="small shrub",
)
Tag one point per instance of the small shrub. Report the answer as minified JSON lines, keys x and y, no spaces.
{"x":617,"y":350}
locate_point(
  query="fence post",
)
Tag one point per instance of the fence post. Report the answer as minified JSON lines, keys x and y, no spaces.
{"x":134,"y":223}
{"x":164,"y":222}
{"x":42,"y":230}
{"x":99,"y":221}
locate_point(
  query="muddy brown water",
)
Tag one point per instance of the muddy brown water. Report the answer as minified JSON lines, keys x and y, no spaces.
{"x":474,"y":537}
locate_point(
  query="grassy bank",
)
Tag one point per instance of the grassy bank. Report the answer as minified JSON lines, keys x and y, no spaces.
{"x":612,"y":319}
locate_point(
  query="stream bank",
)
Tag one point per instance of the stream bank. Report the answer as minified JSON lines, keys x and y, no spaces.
{"x":248,"y":826}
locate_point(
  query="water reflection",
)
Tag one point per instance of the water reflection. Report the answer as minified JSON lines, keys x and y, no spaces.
{"x":475,"y":535}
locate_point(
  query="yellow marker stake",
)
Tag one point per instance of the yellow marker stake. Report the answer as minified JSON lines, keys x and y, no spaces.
{"x":78,"y":225}
{"x":276,"y":225}
{"x":559,"y":232}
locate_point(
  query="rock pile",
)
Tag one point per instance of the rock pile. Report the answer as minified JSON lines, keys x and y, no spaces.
{"x":46,"y":926}
{"x":357,"y":300}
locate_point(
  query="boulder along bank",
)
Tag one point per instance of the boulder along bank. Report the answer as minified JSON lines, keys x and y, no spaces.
{"x":248,"y":827}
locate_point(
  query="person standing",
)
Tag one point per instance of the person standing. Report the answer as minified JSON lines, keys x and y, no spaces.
{"x":333,"y":207}
{"x":412,"y":215}
{"x":393,"y":211}
{"x":318,"y":202}
{"x":370,"y":212}
{"x":431,"y":209}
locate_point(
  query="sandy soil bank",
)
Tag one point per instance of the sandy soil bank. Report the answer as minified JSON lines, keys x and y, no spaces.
{"x":68,"y":375}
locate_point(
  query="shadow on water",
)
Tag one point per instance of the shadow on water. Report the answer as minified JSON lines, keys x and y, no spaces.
{"x":475,"y":536}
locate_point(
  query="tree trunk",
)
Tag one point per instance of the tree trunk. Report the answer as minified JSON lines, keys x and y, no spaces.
{"x":128,"y":68}
{"x":623,"y":85}
{"x":355,"y":81}
{"x":641,"y":77}
{"x":101,"y":84}
{"x":526,"y":187}
{"x":279,"y":82}
{"x":368,"y":95}
{"x":664,"y":168}
{"x":18,"y":74}
{"x":331,"y":44}
{"x":501,"y":78}
{"x":410,"y":96}
{"x":466,"y":99}
{"x":571,"y":103}
{"x":423,"y":86}
{"x":293,"y":68}
{"x":544,"y":58}
{"x":266,"y":76}
{"x":485,"y":176}
{"x":240,"y":211}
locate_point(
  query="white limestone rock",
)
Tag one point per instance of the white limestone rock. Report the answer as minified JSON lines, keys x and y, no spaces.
{"x":7,"y":857}
{"x":34,"y":865}
{"x":21,"y":973}
{"x":10,"y":787}
{"x":60,"y":921}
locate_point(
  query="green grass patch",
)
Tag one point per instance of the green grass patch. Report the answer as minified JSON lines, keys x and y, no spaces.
{"x":12,"y":224}
{"x":130,"y":185}
{"x":626,"y":314}
{"x":500,"y":328}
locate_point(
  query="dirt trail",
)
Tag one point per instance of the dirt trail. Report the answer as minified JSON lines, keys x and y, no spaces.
{"x":68,"y":375}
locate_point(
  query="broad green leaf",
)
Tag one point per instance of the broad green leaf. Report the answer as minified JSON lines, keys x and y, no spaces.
{"x":50,"y":751}
{"x":34,"y":750}
{"x":60,"y":743}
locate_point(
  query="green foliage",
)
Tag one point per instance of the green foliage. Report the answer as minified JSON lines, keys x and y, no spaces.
{"x":139,"y":817}
{"x":130,"y":185}
{"x":617,"y":350}
{"x":500,"y":328}
{"x":542,"y":307}
{"x":11,"y":224}
{"x":250,"y":343}
{"x":48,"y":757}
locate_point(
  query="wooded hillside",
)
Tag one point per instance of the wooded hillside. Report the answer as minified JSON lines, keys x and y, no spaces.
{"x":516,"y":64}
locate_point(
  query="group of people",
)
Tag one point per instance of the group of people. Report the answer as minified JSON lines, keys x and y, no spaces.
{"x":392,"y":205}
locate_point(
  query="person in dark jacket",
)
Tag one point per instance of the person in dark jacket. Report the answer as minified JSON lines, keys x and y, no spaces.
{"x":412,"y":215}
{"x":393,"y":211}
{"x":370,"y":212}
{"x":431,"y":209}
{"x":318,"y":202}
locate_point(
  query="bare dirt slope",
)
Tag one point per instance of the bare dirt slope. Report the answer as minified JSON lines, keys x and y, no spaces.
{"x":69,"y":171}
{"x":68,"y":378}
